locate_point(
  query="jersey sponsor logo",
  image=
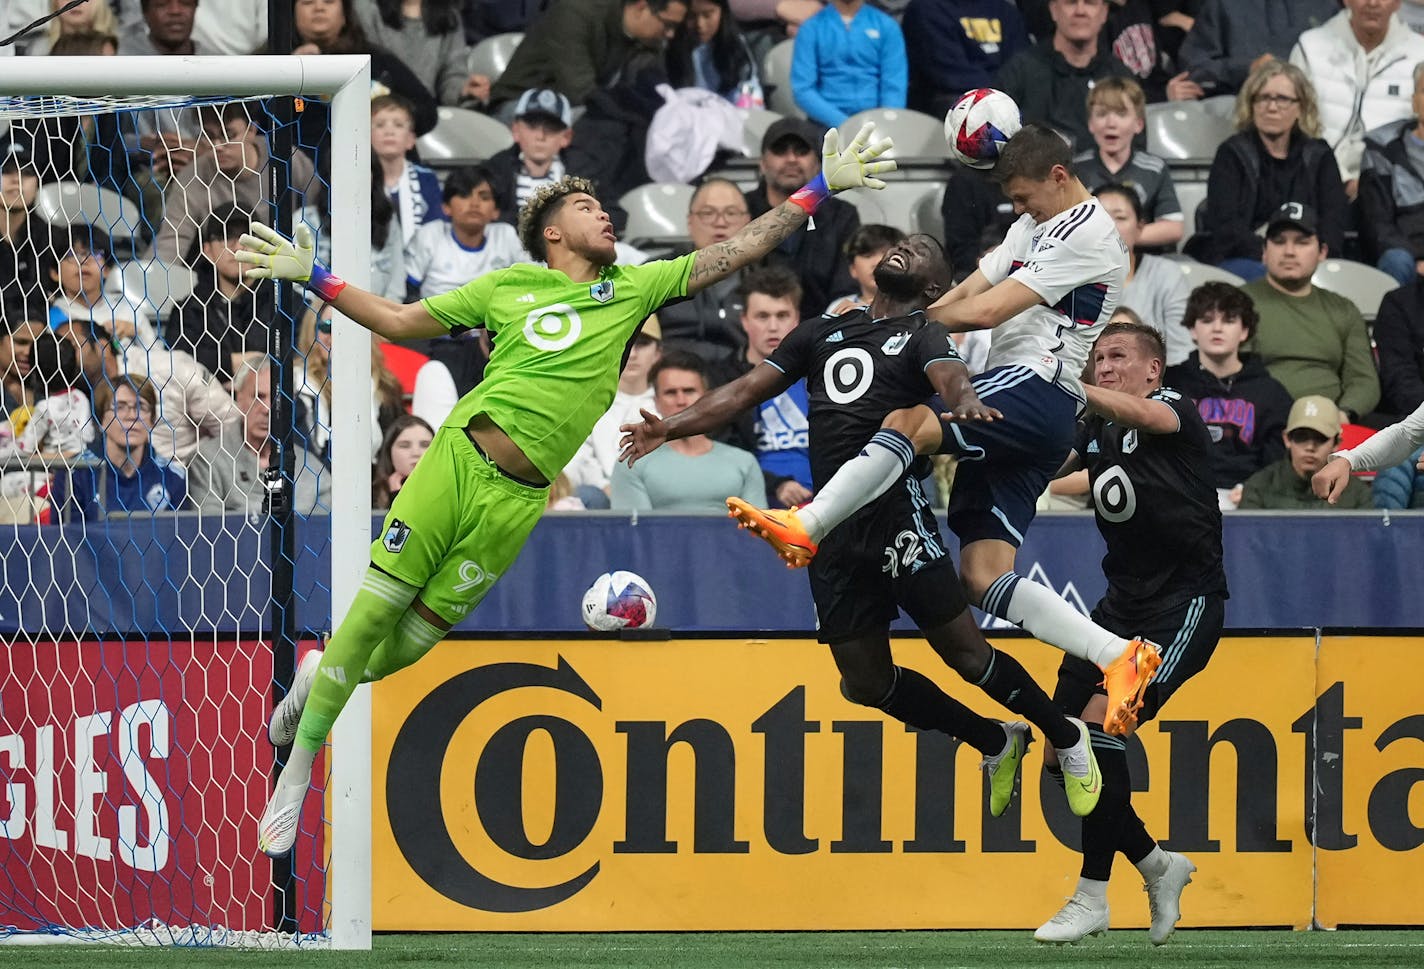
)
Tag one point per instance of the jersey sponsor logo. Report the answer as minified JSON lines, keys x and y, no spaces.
{"x":895,"y":344}
{"x":835,"y":337}
{"x":396,"y":535}
{"x":1113,"y":496}
{"x":553,"y":328}
{"x":601,"y":290}
{"x":848,"y":374}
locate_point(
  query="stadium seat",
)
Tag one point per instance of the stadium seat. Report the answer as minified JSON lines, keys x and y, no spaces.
{"x":776,"y":77}
{"x":491,"y":56}
{"x":758,"y":120}
{"x":895,"y":204}
{"x":1189,"y":131}
{"x":1362,"y":285}
{"x":65,"y":203}
{"x":927,"y":216}
{"x":405,"y":363}
{"x":153,"y":288}
{"x":1199,"y":272}
{"x":916,"y":135}
{"x":1190,"y":195}
{"x":657,"y":213}
{"x":461,"y":135}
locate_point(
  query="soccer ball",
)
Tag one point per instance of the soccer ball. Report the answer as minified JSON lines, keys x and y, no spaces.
{"x":619,"y":600}
{"x":980,"y":124}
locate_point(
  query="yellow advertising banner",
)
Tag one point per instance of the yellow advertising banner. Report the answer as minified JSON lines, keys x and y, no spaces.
{"x":1368,"y":730}
{"x":726,"y":784}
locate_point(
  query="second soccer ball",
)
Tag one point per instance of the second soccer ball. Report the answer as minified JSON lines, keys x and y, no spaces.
{"x":980,"y":124}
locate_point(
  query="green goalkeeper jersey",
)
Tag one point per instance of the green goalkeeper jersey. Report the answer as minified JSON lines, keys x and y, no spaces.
{"x":557,"y":347}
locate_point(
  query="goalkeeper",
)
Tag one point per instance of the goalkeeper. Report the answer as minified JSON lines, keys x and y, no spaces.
{"x":561,"y":334}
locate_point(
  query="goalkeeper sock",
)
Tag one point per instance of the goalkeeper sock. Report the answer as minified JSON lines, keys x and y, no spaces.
{"x":858,"y":482}
{"x":373,"y":617}
{"x":1040,"y":611}
{"x":413,"y":638}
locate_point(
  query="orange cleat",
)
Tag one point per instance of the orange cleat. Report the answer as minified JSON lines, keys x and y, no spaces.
{"x":782,"y":529}
{"x":1126,"y":682}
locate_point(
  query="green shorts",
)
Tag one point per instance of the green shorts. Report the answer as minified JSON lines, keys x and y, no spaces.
{"x":456,"y":526}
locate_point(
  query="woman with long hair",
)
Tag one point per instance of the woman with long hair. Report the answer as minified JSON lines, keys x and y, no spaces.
{"x":406,"y":440}
{"x":313,"y":388}
{"x":710,"y":52}
{"x":1277,"y":156}
{"x":429,"y":36}
{"x":96,"y":16}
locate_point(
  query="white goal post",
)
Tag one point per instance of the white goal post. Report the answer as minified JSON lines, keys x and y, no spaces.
{"x":53,"y":86}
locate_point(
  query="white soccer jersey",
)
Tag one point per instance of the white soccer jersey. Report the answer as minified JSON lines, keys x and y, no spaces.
{"x":1077,"y":263}
{"x":436,"y":262}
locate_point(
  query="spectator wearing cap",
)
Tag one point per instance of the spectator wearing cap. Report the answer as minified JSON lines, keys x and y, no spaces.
{"x":1311,"y":340}
{"x":956,"y":46}
{"x":850,"y":57}
{"x":226,"y":315}
{"x":577,"y":48}
{"x":414,"y":190}
{"x":1275,"y":157}
{"x":541,"y":154}
{"x":706,"y":323}
{"x":592,"y":465}
{"x":1361,"y":61}
{"x":791,"y":156}
{"x":1392,"y":192}
{"x":447,"y":255}
{"x":1312,"y":433}
{"x":1051,"y":80}
{"x":25,"y":239}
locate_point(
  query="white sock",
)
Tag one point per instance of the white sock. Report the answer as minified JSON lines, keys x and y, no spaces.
{"x":859,"y":481}
{"x":298,"y":767}
{"x":1040,"y":611}
{"x":1093,"y":888}
{"x":1154,"y":865}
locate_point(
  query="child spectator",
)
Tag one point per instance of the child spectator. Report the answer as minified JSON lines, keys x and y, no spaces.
{"x":414,"y":190}
{"x":443,"y":256}
{"x":132,"y":477}
{"x":1117,"y":114}
{"x":709,"y":52}
{"x":79,"y":268}
{"x":61,"y":422}
{"x":850,"y":57}
{"x":864,"y":250}
{"x":1155,"y":287}
{"x":1312,"y":433}
{"x":406,"y":440}
{"x":541,"y":153}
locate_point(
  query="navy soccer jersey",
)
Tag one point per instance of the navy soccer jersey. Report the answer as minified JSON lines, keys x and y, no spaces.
{"x":1157,"y":510}
{"x":858,"y":370}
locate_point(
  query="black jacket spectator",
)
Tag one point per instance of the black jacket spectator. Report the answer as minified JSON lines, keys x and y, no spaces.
{"x":817,"y":256}
{"x":956,"y":46}
{"x":1245,"y":413}
{"x":573,"y":47}
{"x":1399,"y":340}
{"x":708,"y":323}
{"x":974,"y":208}
{"x":1391,"y":193}
{"x":212,"y":328}
{"x":1246,"y":186}
{"x":485,"y":18}
{"x":504,"y":166}
{"x":1229,"y":34}
{"x":24,"y":291}
{"x":1050,"y":90}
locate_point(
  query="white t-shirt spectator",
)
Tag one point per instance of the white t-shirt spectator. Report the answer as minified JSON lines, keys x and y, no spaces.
{"x":436,"y":262}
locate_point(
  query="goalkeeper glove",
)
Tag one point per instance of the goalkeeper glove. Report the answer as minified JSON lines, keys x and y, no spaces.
{"x":852,"y":167}
{"x":274,"y":256}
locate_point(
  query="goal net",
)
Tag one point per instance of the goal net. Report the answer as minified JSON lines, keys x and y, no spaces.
{"x":184,"y":496}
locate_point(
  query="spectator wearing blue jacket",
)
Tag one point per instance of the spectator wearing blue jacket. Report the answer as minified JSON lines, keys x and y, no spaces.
{"x":850,"y":57}
{"x":1401,"y":486}
{"x":131,"y":477}
{"x":956,"y":46}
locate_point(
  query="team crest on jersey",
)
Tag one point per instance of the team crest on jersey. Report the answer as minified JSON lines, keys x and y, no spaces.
{"x":395,"y":536}
{"x":1129,"y":441}
{"x":895,"y":344}
{"x":602,"y":290}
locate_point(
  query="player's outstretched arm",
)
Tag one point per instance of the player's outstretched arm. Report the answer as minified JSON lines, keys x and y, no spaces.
{"x":1129,"y":410}
{"x":274,"y":256}
{"x":951,"y":381}
{"x":854,"y":166}
{"x":711,"y":411}
{"x":976,"y":305}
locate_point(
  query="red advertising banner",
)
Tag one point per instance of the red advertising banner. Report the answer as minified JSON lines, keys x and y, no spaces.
{"x":132,"y":775}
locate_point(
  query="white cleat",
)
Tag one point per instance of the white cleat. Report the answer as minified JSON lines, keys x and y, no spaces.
{"x":277,"y":831}
{"x":1164,"y":896}
{"x":282,"y":728}
{"x":1081,"y":916}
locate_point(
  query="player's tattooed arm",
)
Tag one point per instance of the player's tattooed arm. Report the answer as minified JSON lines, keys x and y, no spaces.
{"x":753,"y":242}
{"x":1129,"y":410}
{"x":711,"y":411}
{"x":950,"y":379}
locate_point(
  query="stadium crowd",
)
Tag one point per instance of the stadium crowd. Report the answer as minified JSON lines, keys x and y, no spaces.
{"x":138,"y":346}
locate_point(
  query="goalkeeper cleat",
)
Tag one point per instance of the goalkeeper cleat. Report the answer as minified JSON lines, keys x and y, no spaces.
{"x":282,"y":728}
{"x":782,"y":529}
{"x":1081,"y":916}
{"x":1126,"y":681}
{"x":1003,"y":768}
{"x":277,"y":831}
{"x":1082,"y":781}
{"x":1164,"y":896}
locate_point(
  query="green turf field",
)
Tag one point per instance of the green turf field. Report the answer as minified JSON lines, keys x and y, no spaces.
{"x":821,"y":950}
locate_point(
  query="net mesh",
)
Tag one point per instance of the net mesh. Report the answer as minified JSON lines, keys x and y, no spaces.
{"x":138,"y":568}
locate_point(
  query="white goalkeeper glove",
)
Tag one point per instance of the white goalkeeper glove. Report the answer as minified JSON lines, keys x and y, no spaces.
{"x":274,"y":256}
{"x":854,"y":166}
